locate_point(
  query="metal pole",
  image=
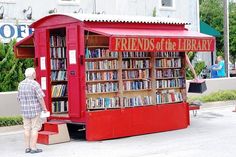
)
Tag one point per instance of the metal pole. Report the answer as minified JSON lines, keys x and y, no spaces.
{"x":226,"y":36}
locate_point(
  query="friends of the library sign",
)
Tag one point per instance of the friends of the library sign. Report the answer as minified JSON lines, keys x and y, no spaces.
{"x":161,"y":44}
{"x":9,"y":31}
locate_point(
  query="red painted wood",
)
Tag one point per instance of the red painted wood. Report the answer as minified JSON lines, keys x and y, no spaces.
{"x":42,"y":50}
{"x":53,"y":20}
{"x":43,"y":138}
{"x":50,"y":126}
{"x":109,"y":124}
{"x":73,"y":72}
{"x":163,"y":43}
{"x":82,"y":81}
{"x":194,"y":107}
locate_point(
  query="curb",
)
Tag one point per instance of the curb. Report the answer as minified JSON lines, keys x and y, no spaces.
{"x":218,"y":104}
{"x":11,"y":129}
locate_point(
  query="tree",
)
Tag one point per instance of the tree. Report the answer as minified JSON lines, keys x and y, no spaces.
{"x":12,"y":69}
{"x":212,"y":13}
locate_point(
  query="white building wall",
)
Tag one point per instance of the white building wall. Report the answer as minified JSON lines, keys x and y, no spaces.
{"x":184,"y":9}
{"x":188,"y":10}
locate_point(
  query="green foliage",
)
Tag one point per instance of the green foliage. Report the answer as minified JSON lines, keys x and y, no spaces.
{"x":12,"y":69}
{"x":232,"y":31}
{"x":9,"y":121}
{"x":216,"y":96}
{"x":198,"y":67}
{"x":212,"y":13}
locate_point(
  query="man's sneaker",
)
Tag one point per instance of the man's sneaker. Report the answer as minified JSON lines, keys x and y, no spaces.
{"x":36,"y":151}
{"x":27,"y":150}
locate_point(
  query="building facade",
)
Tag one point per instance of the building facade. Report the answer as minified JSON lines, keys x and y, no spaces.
{"x":25,"y":12}
{"x":16,"y":15}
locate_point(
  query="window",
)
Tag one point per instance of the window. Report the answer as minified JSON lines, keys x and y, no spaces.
{"x":69,"y":2}
{"x":167,"y":5}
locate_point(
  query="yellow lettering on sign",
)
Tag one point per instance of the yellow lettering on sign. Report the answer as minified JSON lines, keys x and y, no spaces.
{"x":209,"y":44}
{"x":204,"y":42}
{"x":117,"y":43}
{"x":140,"y":44}
{"x":123,"y":44}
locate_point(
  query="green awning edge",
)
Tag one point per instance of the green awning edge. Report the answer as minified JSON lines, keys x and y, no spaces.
{"x":207,"y":29}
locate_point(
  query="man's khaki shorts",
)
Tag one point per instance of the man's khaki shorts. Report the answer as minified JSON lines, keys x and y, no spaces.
{"x":32,"y":124}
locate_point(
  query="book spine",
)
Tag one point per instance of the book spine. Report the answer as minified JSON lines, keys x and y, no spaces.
{"x":100,"y":103}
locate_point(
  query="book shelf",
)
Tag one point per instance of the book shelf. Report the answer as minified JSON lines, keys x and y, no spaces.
{"x":130,"y":79}
{"x":58,"y":64}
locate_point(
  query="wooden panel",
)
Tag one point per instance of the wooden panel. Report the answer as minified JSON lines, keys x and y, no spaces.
{"x":73,"y":72}
{"x":108,"y":124}
{"x":93,"y":41}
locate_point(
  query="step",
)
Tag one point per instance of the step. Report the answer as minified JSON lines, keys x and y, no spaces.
{"x":54,"y":132}
{"x":51,"y":126}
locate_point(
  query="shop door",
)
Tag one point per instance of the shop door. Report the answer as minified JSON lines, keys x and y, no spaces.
{"x":73,"y":71}
{"x":41,"y":66}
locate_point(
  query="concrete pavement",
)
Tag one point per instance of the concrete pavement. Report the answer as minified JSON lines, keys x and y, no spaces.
{"x":211,"y":133}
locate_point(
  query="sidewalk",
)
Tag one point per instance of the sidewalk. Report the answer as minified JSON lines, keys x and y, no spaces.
{"x":211,"y":133}
{"x":19,"y":128}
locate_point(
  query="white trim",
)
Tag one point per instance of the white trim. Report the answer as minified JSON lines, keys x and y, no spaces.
{"x":72,"y":2}
{"x":172,"y":8}
{"x":123,"y":18}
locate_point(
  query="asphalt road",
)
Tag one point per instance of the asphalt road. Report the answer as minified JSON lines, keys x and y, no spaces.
{"x":211,"y":134}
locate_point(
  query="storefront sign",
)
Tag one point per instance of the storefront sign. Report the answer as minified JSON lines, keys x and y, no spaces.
{"x":10,"y":31}
{"x":161,"y":44}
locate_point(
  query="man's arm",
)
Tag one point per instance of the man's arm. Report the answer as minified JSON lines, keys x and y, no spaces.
{"x":42,"y":102}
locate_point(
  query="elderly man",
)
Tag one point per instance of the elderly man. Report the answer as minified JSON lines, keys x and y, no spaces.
{"x":30,"y":97}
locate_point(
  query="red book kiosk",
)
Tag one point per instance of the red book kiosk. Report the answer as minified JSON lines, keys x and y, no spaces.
{"x":119,"y":76}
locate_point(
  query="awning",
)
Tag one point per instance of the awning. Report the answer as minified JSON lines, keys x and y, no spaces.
{"x":154,"y":40}
{"x":207,"y":29}
{"x":25,"y":47}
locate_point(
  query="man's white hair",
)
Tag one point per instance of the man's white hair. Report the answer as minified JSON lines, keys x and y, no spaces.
{"x":29,"y":72}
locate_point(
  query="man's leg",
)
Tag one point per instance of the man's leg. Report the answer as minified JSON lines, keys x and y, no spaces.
{"x":34,"y":138}
{"x":36,"y":126}
{"x":27,"y":127}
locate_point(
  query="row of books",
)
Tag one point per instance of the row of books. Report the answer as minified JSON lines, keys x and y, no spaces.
{"x":59,"y":106}
{"x":172,"y":62}
{"x":101,"y":65}
{"x":137,"y":101}
{"x":101,"y":76}
{"x":102,"y":87}
{"x":136,"y":85}
{"x":161,"y":98}
{"x":57,"y":41}
{"x":166,"y":73}
{"x":135,"y":54}
{"x":58,"y":64}
{"x":58,"y":52}
{"x":58,"y":75}
{"x":100,"y":53}
{"x":103,"y":103}
{"x":136,"y":74}
{"x":179,"y":83}
{"x":59,"y":90}
{"x":169,"y":97}
{"x":129,"y":64}
{"x":167,"y":54}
